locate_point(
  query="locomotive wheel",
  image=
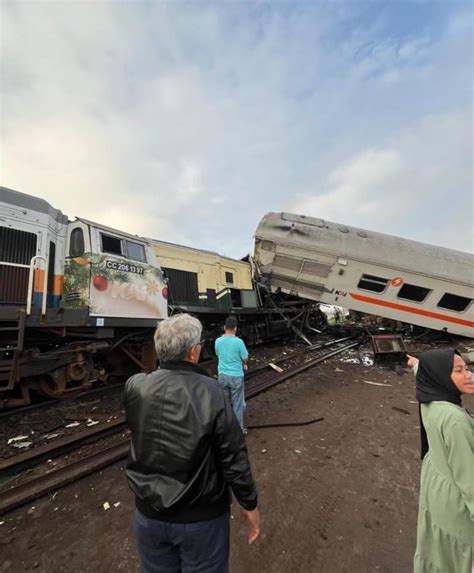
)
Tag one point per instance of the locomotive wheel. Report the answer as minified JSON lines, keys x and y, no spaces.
{"x":49,"y":388}
{"x":55,"y":385}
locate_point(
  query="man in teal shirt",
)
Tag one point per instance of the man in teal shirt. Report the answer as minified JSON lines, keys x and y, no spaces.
{"x":233,"y":360}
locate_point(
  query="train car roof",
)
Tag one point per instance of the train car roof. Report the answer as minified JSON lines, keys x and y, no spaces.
{"x":346,"y":241}
{"x":112,"y":230}
{"x":204,"y":251}
{"x":32,"y":203}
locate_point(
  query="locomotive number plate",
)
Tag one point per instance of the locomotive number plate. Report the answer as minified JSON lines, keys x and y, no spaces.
{"x":124,"y":267}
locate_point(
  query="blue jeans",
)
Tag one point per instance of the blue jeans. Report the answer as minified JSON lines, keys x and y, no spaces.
{"x":201,"y":547}
{"x":234,"y":388}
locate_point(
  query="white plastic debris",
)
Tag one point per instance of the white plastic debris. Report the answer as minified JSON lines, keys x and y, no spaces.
{"x":16,"y":439}
{"x":298,"y":452}
{"x":338,"y":370}
{"x":117,"y":504}
{"x":22,"y":445}
{"x":376,"y":383}
{"x":73,"y":425}
{"x":50,"y":436}
{"x":2,"y":522}
{"x":264,"y":451}
{"x":275,"y":367}
{"x":106,"y":505}
{"x":91,"y":423}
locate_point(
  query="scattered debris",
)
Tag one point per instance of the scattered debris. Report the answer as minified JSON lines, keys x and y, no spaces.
{"x":117,"y":504}
{"x":51,"y":436}
{"x":73,"y":425}
{"x":106,"y":505}
{"x":16,"y":439}
{"x":264,"y":451}
{"x":275,"y":367}
{"x":402,"y":410}
{"x":338,"y":370}
{"x":376,"y":383}
{"x":22,"y":444}
{"x":298,"y":452}
{"x":92,"y":423}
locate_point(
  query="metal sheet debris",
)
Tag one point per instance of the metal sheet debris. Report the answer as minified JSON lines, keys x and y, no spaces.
{"x":376,"y":383}
{"x":16,"y":439}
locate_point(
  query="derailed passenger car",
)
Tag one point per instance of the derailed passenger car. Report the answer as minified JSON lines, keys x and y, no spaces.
{"x":365,"y":271}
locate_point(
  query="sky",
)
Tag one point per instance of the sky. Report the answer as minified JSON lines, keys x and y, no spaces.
{"x":188,"y":121}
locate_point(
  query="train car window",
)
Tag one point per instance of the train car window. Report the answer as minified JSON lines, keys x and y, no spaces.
{"x":413,"y":292}
{"x":454,"y":302}
{"x":17,"y":247}
{"x":111,"y":244}
{"x":374,"y":284}
{"x":135,"y":251}
{"x":76,"y":246}
{"x":229,"y":277}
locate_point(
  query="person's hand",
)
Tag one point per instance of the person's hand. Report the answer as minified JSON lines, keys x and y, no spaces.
{"x":246,"y":366}
{"x":412,"y":361}
{"x":253,"y":520}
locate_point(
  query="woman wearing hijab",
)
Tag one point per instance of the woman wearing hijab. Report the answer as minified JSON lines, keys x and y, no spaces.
{"x":445,"y":535}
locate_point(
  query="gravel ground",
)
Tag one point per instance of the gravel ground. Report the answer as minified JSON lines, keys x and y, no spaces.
{"x":339,"y":495}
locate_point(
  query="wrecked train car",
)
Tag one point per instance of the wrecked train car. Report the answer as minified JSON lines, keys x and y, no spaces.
{"x":365,"y":271}
{"x":211,"y":286}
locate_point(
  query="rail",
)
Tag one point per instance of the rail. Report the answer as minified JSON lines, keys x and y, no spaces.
{"x":32,"y":489}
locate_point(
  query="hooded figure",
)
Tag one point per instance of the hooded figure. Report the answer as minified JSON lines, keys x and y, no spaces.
{"x":445,"y":534}
{"x":434,"y":384}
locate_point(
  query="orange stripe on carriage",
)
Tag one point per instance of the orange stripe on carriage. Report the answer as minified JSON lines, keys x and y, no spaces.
{"x":420,"y":311}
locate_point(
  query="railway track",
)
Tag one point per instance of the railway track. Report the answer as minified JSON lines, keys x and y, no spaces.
{"x":262,"y":379}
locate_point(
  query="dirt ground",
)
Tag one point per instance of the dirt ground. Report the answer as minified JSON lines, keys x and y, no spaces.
{"x":339,"y":495}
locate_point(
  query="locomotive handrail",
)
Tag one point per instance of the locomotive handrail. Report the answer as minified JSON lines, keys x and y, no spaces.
{"x":30,"y":285}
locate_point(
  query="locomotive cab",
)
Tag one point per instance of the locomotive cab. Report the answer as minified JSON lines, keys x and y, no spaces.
{"x":112,"y":274}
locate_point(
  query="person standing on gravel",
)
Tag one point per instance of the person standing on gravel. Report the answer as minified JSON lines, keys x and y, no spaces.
{"x":445,"y":535}
{"x":187,"y":454}
{"x":233,"y":360}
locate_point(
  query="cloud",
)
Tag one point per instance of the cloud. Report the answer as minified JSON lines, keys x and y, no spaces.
{"x":188,"y":122}
{"x":415,"y":186}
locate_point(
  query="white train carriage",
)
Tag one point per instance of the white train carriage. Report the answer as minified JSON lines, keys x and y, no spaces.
{"x":408,"y":281}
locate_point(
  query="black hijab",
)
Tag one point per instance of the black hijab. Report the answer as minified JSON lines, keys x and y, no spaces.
{"x":434,"y":384}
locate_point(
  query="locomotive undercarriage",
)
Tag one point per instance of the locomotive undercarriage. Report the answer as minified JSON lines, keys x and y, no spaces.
{"x":41,"y":357}
{"x":64,"y":353}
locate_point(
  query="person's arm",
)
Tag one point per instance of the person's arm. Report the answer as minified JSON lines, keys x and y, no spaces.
{"x":459,"y":442}
{"x":229,"y":445}
{"x":244,"y":355}
{"x":413,"y":362}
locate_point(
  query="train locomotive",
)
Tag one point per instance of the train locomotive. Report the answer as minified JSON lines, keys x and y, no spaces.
{"x":79,"y":301}
{"x":368,"y":272}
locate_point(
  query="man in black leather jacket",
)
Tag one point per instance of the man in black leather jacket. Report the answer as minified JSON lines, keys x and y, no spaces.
{"x":187,"y":454}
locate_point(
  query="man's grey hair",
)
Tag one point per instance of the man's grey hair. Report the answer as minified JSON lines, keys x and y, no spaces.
{"x":175,"y":335}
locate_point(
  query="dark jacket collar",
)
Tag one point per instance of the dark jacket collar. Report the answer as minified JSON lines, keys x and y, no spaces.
{"x":184,"y":365}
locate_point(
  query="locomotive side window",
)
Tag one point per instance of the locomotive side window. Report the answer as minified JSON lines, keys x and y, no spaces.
{"x":111,"y":244}
{"x":413,"y":292}
{"x":229,"y":277}
{"x":374,"y":284}
{"x":135,"y":251}
{"x":454,"y":302}
{"x":76,"y":247}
